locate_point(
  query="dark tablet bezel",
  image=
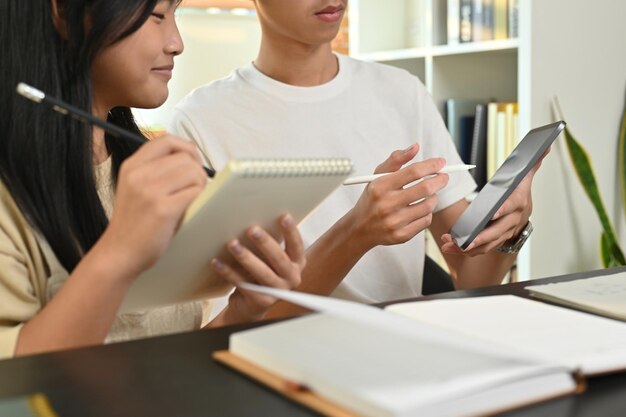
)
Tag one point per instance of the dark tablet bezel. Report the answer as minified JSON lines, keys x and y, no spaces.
{"x":500,"y":186}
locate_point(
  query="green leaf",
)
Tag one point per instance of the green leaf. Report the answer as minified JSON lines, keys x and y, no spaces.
{"x":610,"y":250}
{"x":609,"y":253}
{"x":605,"y":251}
{"x":582,"y":166}
{"x":622,"y":158}
{"x":618,"y":255}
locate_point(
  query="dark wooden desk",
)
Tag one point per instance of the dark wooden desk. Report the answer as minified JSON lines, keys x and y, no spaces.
{"x":174,"y":376}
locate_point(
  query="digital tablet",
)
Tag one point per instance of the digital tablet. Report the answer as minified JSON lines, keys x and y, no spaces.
{"x":504,"y":181}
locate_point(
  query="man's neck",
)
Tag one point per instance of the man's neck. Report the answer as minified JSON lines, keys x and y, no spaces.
{"x":297,"y":64}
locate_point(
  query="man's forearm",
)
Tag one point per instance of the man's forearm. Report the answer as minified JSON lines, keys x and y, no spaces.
{"x":329,"y":259}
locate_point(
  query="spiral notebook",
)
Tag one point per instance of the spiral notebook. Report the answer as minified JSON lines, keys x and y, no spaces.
{"x":244,"y":193}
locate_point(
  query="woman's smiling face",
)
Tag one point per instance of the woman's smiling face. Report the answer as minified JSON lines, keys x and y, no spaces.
{"x":135,"y":71}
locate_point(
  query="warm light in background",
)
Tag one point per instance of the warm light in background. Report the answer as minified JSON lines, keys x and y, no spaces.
{"x":220,"y":4}
{"x":340,"y":44}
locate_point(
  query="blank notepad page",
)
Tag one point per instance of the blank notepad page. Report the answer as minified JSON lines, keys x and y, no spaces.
{"x":578,"y":340}
{"x":605,"y":294}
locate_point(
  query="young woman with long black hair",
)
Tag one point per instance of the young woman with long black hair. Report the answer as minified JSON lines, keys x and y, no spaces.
{"x":69,"y":250}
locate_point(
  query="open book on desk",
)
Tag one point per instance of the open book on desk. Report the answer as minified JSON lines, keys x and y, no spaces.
{"x":604,"y":295}
{"x":360,"y":360}
{"x":577,"y":340}
{"x":245,"y":193}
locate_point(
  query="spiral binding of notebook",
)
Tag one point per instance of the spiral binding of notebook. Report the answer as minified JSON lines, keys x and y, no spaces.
{"x":291,"y":167}
{"x":243,"y":193}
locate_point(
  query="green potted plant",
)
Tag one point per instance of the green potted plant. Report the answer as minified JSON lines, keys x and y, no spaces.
{"x":610,"y":250}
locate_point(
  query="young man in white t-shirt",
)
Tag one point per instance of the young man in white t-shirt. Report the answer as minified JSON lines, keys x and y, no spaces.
{"x":298,"y":99}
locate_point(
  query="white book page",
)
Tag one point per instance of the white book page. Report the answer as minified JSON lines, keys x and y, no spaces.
{"x":604,"y":294}
{"x":378,"y":363}
{"x":377,"y":319}
{"x":374,"y":371}
{"x":578,"y":340}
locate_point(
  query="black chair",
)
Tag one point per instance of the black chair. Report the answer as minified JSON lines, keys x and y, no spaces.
{"x":436,"y":279}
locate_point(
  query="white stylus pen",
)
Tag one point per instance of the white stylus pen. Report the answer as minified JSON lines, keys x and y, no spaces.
{"x":364,"y":179}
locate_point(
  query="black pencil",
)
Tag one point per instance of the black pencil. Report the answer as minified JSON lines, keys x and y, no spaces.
{"x":54,"y":103}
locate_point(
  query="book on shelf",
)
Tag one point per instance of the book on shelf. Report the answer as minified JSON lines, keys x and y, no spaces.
{"x":459,"y":118}
{"x":501,"y":143}
{"x":246,"y":192}
{"x":502,"y":133}
{"x":513,"y":18}
{"x":500,"y":19}
{"x":365,"y":361}
{"x":454,"y":21}
{"x":465,"y":34}
{"x":478,"y":155}
{"x":487,"y":11}
{"x":481,"y":20}
{"x":478,"y":21}
{"x":481,"y":133}
{"x":464,"y":126}
{"x":492,"y":113}
{"x":511,"y":136}
{"x":604,"y":295}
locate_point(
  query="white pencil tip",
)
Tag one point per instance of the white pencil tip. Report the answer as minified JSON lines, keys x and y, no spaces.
{"x":30,"y":93}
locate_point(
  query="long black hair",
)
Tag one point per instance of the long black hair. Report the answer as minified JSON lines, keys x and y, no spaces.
{"x":46,"y":160}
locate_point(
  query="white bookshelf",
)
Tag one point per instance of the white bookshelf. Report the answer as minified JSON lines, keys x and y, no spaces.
{"x":573,"y":49}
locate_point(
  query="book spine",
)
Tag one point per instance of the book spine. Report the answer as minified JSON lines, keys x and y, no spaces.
{"x":513,"y":15}
{"x":451,"y":124}
{"x":515,"y":128}
{"x":454,"y":14}
{"x":478,"y":154}
{"x":466,"y":21}
{"x":478,"y":17}
{"x":509,"y":110}
{"x":500,"y":19}
{"x":492,"y":112}
{"x":487,"y":20}
{"x":466,"y":129}
{"x":501,"y":146}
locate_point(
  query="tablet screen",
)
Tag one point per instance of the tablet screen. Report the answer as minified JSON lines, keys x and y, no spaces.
{"x":474,"y":219}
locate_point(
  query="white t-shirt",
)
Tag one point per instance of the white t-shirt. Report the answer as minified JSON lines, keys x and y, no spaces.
{"x":366,"y":112}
